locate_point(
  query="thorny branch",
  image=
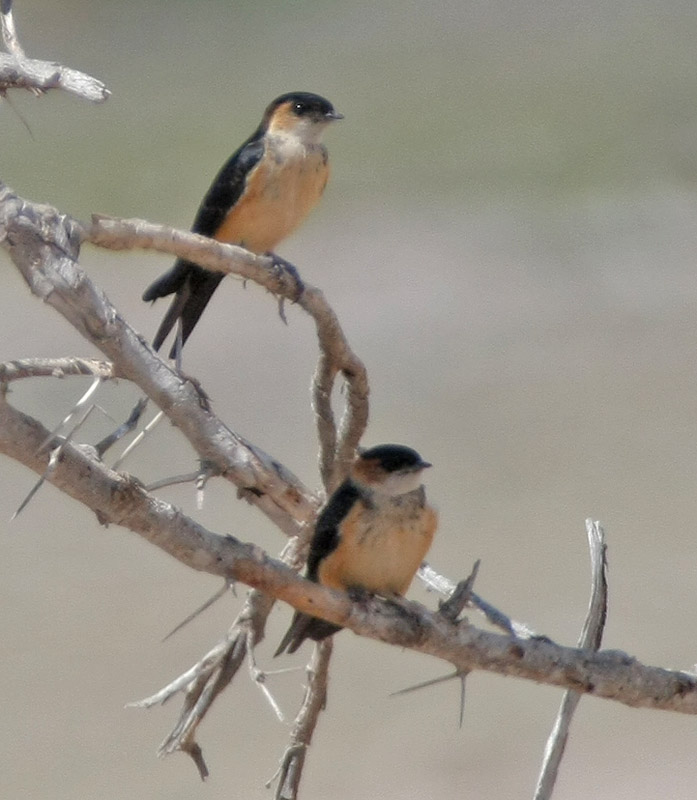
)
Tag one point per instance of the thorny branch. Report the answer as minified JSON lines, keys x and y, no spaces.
{"x":44,"y":245}
{"x":118,"y":499}
{"x":336,"y":358}
{"x":337,"y":448}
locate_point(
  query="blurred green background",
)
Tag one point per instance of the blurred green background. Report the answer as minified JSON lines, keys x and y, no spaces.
{"x":509,"y":238}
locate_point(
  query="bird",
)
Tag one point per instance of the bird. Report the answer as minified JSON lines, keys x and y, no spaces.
{"x":260,"y":196}
{"x":371,"y":536}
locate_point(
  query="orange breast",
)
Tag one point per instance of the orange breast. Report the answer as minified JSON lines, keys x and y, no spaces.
{"x":379,"y":550}
{"x":280,"y":192}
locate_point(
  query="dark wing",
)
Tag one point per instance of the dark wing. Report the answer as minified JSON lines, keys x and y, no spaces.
{"x":326,"y":535}
{"x":193,"y":285}
{"x":324,"y":540}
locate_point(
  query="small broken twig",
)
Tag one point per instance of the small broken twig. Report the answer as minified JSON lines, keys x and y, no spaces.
{"x":452,"y":607}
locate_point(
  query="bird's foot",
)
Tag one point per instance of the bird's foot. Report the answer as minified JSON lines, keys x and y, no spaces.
{"x":287,"y":275}
{"x":358,"y":594}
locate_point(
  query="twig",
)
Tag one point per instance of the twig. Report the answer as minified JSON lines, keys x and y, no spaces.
{"x":461,"y":596}
{"x":220,"y":666}
{"x":173,"y":480}
{"x":590,"y":639}
{"x":290,"y":770}
{"x":436,"y":582}
{"x":258,"y":677}
{"x":54,"y":368}
{"x":206,"y":680}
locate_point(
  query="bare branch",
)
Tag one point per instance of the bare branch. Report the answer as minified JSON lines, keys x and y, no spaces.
{"x":54,"y":368}
{"x":212,"y":674}
{"x":40,"y":76}
{"x":116,"y":498}
{"x":277,"y":276}
{"x":91,"y":313}
{"x":44,"y":245}
{"x":290,"y":770}
{"x":8,"y":32}
{"x":336,"y":358}
{"x":123,"y":430}
{"x":591,"y":637}
{"x":19,"y":72}
{"x":436,"y":582}
{"x":337,"y":449}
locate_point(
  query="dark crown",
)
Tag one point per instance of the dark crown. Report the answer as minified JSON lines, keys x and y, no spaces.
{"x":306,"y":104}
{"x":395,"y":457}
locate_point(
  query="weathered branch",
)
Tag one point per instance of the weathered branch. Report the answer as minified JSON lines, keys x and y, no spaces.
{"x":19,"y":72}
{"x":44,"y":245}
{"x":203,"y":682}
{"x":336,"y":358}
{"x":293,"y":759}
{"x":590,"y":638}
{"x":118,"y":499}
{"x":8,"y":31}
{"x":337,"y":448}
{"x":54,"y":368}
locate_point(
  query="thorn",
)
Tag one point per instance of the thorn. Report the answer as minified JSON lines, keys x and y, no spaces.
{"x":426,"y":684}
{"x":200,"y":609}
{"x":138,"y":439}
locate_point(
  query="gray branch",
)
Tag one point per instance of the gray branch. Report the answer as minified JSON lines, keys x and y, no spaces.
{"x":293,"y":760}
{"x":591,"y":636}
{"x":118,"y":499}
{"x":337,"y":448}
{"x":44,"y":245}
{"x":19,"y":72}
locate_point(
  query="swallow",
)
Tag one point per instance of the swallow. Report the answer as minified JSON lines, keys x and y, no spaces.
{"x":260,"y":196}
{"x":371,"y":536}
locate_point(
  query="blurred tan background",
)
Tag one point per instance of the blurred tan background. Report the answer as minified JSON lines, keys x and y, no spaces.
{"x":509,"y":238}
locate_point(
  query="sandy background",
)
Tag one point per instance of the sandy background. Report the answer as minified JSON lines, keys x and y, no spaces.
{"x":509,"y":238}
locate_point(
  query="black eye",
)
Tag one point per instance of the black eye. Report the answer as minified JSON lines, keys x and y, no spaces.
{"x":298,"y":108}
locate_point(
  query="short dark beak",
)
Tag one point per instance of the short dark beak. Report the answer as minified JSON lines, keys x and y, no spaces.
{"x":424,"y":465}
{"x":333,"y":115}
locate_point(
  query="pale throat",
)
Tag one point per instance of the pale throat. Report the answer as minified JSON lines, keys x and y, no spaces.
{"x":304,"y":135}
{"x":398,"y":484}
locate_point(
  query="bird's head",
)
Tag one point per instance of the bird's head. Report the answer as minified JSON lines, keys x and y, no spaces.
{"x":391,"y":469}
{"x":300,"y":114}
